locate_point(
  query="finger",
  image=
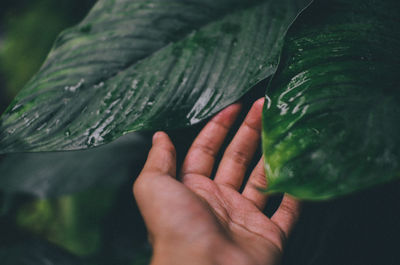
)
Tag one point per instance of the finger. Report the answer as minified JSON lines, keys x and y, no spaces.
{"x":201,"y":155}
{"x":256,"y":182}
{"x":239,"y":153}
{"x":287,"y":214}
{"x":161,"y":162}
{"x":162,"y":157}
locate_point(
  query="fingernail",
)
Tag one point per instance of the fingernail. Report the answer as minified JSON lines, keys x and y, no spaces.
{"x":156,"y":136}
{"x":260,"y":101}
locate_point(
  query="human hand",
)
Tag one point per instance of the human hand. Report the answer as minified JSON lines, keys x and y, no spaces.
{"x":199,"y":220}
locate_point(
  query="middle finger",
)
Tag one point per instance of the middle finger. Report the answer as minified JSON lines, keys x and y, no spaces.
{"x":240,"y":151}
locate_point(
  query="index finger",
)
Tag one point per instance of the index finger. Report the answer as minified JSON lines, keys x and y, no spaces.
{"x":201,"y":155}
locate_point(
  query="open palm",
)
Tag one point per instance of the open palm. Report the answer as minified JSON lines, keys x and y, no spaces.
{"x":196,"y":214}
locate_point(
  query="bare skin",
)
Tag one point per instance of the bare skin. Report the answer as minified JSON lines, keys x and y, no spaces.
{"x":193,"y":218}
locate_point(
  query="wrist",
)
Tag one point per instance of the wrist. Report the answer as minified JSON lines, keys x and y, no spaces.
{"x":168,"y":252}
{"x":216,"y":251}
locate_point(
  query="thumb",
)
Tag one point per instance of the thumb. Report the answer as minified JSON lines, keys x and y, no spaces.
{"x":162,"y":157}
{"x":158,"y":172}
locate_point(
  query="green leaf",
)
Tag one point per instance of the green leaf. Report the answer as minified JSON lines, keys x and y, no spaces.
{"x":36,"y":252}
{"x":28,"y":31}
{"x":136,"y":65}
{"x":52,"y":174}
{"x":331,"y":121}
{"x":73,"y":222}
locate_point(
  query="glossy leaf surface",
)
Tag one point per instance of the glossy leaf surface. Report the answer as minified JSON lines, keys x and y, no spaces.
{"x":135,"y":65}
{"x":331,"y":122}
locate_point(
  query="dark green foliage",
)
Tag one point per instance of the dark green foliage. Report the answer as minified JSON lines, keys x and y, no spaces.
{"x":27,"y":31}
{"x":132,"y":65}
{"x":54,"y":174}
{"x":331,"y":123}
{"x":95,"y":227}
{"x":36,"y":252}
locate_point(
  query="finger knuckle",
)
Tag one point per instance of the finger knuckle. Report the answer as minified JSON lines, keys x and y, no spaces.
{"x":259,"y":180}
{"x":239,"y":157}
{"x":207,"y":147}
{"x":169,"y":149}
{"x":254,"y":125}
{"x":166,"y":152}
{"x":289,"y":209}
{"x":220,"y":123}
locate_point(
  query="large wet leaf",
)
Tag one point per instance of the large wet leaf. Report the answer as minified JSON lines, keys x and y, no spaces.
{"x":134,"y":65}
{"x":331,"y":125}
{"x":57,"y":173}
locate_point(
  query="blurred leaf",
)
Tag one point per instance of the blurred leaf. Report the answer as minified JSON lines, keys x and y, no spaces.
{"x":36,"y":252}
{"x":30,"y":27}
{"x":331,"y":125}
{"x":23,"y":51}
{"x":133,"y":65}
{"x":101,"y":226}
{"x":73,"y":222}
{"x":53,"y":174}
